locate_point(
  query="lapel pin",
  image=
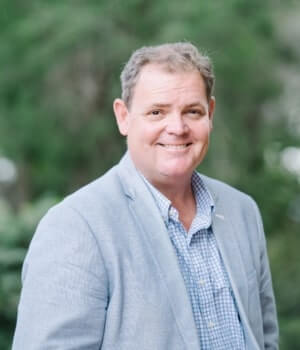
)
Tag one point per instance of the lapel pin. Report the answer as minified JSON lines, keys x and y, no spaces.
{"x":220,"y":216}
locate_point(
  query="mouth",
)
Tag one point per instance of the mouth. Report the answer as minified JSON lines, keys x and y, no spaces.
{"x":175,"y":147}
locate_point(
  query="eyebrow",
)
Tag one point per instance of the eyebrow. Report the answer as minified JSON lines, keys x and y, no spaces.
{"x":166,"y":105}
{"x":195,"y":104}
{"x":160,"y":105}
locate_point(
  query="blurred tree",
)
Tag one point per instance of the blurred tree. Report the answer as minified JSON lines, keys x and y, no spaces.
{"x":61,"y":63}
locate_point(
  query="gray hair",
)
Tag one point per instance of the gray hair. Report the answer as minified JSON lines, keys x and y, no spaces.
{"x":174,"y":57}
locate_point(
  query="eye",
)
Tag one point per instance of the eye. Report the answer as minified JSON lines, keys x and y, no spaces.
{"x":155,"y":112}
{"x":195,"y":113}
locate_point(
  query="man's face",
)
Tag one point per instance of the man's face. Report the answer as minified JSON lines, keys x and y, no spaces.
{"x":168,"y":123}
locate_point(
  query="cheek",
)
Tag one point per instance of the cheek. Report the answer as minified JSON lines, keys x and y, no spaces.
{"x":140,"y":136}
{"x":202,"y":136}
{"x":202,"y":131}
{"x":147,"y":135}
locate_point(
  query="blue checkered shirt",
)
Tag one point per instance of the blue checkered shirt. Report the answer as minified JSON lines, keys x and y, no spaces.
{"x":206,"y":280}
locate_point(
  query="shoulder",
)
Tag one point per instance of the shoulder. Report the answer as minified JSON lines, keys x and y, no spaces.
{"x":105,"y":191}
{"x":71,"y":227}
{"x":235,"y":203}
{"x":221,"y":188}
{"x":84,"y":206}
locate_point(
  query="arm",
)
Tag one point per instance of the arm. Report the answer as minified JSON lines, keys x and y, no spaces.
{"x":268,"y":307}
{"x":65,"y":287}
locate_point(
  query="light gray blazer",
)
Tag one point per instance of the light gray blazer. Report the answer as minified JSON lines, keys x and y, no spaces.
{"x":101,"y":272}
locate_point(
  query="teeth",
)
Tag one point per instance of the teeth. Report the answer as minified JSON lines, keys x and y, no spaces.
{"x":176,"y":146}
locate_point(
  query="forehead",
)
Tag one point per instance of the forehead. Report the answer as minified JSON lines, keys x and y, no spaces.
{"x":156,"y":82}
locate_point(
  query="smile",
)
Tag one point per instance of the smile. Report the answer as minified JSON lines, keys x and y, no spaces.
{"x":175,"y":147}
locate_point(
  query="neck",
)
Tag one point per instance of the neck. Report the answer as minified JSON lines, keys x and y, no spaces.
{"x":176,"y":191}
{"x":182,"y":198}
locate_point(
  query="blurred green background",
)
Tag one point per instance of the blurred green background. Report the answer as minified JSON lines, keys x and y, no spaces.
{"x":60,"y":65}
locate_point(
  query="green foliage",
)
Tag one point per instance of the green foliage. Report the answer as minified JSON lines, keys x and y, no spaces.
{"x":61,"y":62}
{"x":290,"y":333}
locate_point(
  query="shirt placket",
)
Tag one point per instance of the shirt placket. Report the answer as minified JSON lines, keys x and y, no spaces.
{"x":204,"y":287}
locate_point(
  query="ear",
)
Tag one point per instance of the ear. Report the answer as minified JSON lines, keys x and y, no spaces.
{"x":211,"y":109}
{"x":122,"y":116}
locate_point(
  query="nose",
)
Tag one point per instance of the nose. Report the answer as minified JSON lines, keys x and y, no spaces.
{"x":176,"y":124}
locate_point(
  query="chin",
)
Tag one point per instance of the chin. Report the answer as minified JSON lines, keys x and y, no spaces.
{"x":175,"y":173}
{"x":181,"y":168}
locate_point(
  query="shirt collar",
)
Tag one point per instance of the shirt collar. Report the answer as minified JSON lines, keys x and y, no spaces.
{"x":204,"y":202}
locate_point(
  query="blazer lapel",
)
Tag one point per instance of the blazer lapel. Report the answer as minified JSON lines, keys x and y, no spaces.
{"x":232,"y":257}
{"x":152,"y":226}
{"x":230,"y":252}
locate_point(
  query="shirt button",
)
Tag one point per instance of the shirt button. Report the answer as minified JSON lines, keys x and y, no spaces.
{"x":211,"y":324}
{"x":202,"y":283}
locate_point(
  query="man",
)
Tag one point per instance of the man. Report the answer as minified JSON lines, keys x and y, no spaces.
{"x":152,"y":255}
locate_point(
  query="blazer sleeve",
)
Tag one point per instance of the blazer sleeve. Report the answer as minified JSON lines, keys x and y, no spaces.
{"x":267,"y":300}
{"x":65,"y":287}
